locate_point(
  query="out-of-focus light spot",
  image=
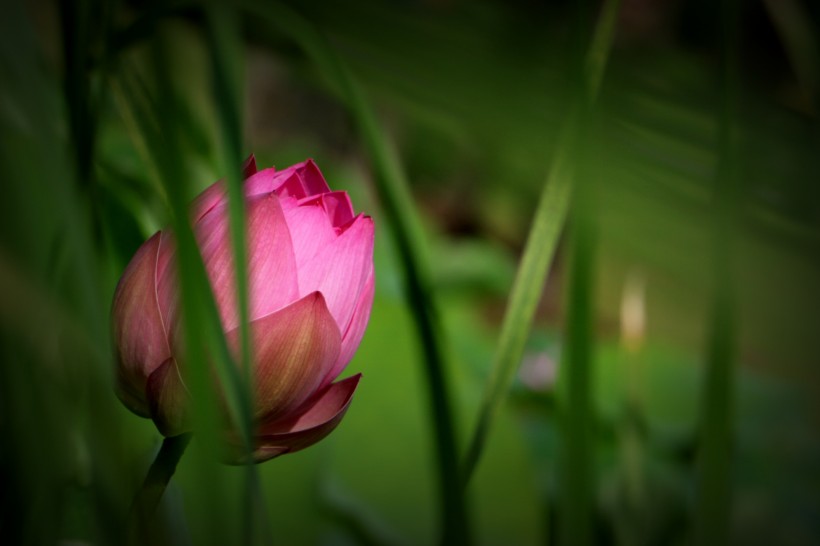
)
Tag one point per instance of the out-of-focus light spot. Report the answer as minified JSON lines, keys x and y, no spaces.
{"x":538,"y":371}
{"x":633,"y":311}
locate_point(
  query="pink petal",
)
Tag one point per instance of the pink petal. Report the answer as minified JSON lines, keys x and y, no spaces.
{"x":340,"y":270}
{"x":293,"y":348}
{"x":299,"y":181}
{"x":312,"y":178}
{"x":167,"y":283}
{"x":355,"y":331}
{"x":314,"y":421}
{"x":265,"y":181}
{"x":310,"y":230}
{"x":169,"y":399}
{"x":291,"y":186}
{"x":336,"y":204}
{"x":139,"y":335}
{"x":271,"y":263}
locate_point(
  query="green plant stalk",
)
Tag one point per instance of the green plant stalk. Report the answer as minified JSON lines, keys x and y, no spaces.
{"x":206,"y":348}
{"x":220,"y":38}
{"x":575,"y":512}
{"x":405,"y":227}
{"x":222,"y":33}
{"x":539,"y":249}
{"x":194,"y":289}
{"x":153,"y":487}
{"x":714,"y":461}
{"x":205,"y":340}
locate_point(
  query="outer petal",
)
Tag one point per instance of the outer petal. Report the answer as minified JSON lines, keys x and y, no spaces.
{"x":294,"y":348}
{"x":169,"y":399}
{"x":139,"y":335}
{"x":271,"y":263}
{"x":355,"y":331}
{"x":315,"y":420}
{"x":167,"y":286}
{"x":340,"y":270}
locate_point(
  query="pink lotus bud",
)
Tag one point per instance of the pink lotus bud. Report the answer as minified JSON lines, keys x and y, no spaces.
{"x":310,"y":268}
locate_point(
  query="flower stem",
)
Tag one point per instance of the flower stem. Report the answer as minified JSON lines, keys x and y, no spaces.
{"x":147,"y":498}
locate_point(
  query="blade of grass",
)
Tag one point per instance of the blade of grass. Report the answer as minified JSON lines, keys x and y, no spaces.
{"x":405,"y":227}
{"x":223,"y":40}
{"x":714,"y":461}
{"x":793,"y":24}
{"x":156,"y":134}
{"x":540,"y":247}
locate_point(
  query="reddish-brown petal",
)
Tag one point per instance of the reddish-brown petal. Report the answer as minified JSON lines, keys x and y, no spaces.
{"x":169,"y":399}
{"x":139,"y":336}
{"x":294,"y":349}
{"x":313,"y":421}
{"x":249,"y":167}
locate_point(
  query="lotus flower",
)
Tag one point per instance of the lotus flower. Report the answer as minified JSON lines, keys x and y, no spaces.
{"x":310,"y":268}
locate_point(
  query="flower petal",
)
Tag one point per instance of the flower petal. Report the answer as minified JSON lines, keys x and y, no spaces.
{"x":355,"y":331}
{"x":312,"y":178}
{"x":310,"y":230}
{"x":293,"y":348}
{"x":139,"y":335}
{"x":271,"y":263}
{"x":265,"y":181}
{"x":169,"y":399}
{"x":292,"y":186}
{"x":315,"y":420}
{"x":340,"y":270}
{"x":336,"y":204}
{"x":167,"y":283}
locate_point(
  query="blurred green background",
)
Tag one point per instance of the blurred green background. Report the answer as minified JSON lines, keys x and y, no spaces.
{"x":472,"y":96}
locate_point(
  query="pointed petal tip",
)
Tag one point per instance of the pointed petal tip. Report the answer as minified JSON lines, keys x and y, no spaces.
{"x":313,"y":178}
{"x":249,"y":166}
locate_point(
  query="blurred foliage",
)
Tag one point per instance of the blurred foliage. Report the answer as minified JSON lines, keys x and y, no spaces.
{"x":472,"y":95}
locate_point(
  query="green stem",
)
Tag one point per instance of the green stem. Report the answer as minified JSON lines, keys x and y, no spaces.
{"x":714,"y":464}
{"x":396,"y":200}
{"x":577,"y":416}
{"x":147,"y":498}
{"x":393,"y":193}
{"x":223,"y":38}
